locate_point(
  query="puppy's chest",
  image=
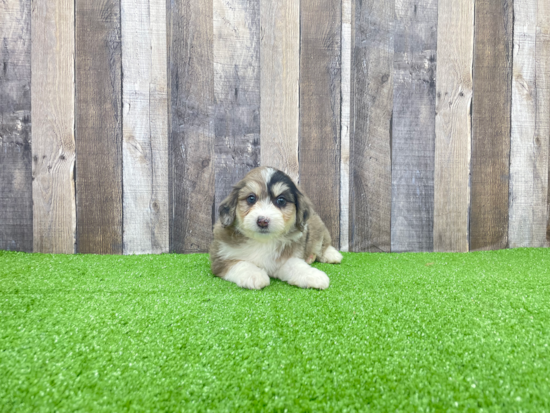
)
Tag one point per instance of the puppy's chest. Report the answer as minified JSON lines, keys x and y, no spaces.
{"x":269,"y":255}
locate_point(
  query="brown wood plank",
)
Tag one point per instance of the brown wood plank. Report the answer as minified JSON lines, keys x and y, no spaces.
{"x":413,"y":127}
{"x":145,"y":127}
{"x":370,"y":164}
{"x":528,"y":150}
{"x":320,"y":109}
{"x":280,"y":70}
{"x":53,"y":143}
{"x":15,"y":126}
{"x":236,"y":91}
{"x":98,"y":127}
{"x":542,"y":129}
{"x":491,"y":102}
{"x":192,"y":126}
{"x":455,"y":46}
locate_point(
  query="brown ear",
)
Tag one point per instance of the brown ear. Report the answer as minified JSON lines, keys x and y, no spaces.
{"x":303,"y":210}
{"x":228,"y":207}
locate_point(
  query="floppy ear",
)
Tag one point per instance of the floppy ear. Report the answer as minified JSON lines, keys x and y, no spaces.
{"x":228,"y":207}
{"x":303,"y":210}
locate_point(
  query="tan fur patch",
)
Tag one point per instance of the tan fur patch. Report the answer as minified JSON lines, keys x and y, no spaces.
{"x":279,"y":188}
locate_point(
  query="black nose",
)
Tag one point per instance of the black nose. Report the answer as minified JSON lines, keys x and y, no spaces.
{"x":263,"y":222}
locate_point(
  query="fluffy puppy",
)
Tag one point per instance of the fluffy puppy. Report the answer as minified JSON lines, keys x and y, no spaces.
{"x":268,"y":228}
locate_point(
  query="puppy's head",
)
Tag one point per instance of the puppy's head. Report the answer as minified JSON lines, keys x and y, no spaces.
{"x":265,"y":205}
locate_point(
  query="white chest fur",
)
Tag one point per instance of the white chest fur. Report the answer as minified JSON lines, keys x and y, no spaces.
{"x":266,"y":255}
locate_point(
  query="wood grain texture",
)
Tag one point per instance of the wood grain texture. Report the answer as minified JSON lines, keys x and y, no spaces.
{"x":280,"y":73}
{"x":145,"y":127}
{"x":372,"y":92}
{"x":455,"y":46}
{"x":413,"y":128}
{"x":320,"y":109}
{"x":53,"y":139}
{"x":542,"y":62}
{"x":236,"y":91}
{"x":347,"y":44}
{"x":528,"y":152}
{"x":98,"y":127}
{"x":490,"y":157}
{"x":16,"y":221}
{"x":192,"y":126}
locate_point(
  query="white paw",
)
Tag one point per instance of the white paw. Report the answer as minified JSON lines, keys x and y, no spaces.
{"x":247,"y":275}
{"x":331,"y":256}
{"x":311,"y":278}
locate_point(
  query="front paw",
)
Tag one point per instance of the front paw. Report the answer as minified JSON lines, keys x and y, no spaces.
{"x":331,"y":256}
{"x":253,"y":280}
{"x":312,"y":278}
{"x":247,"y":275}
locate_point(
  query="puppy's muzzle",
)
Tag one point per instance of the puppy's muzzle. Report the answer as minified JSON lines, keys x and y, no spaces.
{"x":263,"y":222}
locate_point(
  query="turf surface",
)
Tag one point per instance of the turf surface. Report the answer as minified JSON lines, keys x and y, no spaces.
{"x":412,"y":332}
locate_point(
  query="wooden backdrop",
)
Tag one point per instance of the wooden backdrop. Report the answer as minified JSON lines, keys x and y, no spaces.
{"x":413,"y":125}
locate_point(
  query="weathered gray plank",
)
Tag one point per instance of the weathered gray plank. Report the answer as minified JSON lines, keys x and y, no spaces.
{"x":455,"y":47}
{"x":98,"y":127}
{"x":280,"y":70}
{"x":145,"y":127}
{"x":53,"y":142}
{"x":542,"y":128}
{"x":528,"y":152}
{"x":370,"y":164}
{"x":320,"y":108}
{"x":15,"y":126}
{"x":192,"y":126}
{"x":236,"y":91}
{"x":347,"y":44}
{"x":413,"y":128}
{"x":490,"y":157}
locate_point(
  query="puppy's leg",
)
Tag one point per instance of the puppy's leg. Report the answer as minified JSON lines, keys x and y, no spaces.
{"x":331,"y":256}
{"x":247,"y":275}
{"x":297,"y":272}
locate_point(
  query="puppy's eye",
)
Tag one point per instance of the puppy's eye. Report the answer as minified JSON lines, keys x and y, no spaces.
{"x":251,"y":199}
{"x":281,"y":202}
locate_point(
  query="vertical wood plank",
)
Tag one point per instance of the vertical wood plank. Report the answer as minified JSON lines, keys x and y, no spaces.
{"x":345,"y":87}
{"x":98,"y":127}
{"x":455,"y":46}
{"x":280,"y":70}
{"x":528,"y":155}
{"x":192,"y":126}
{"x":236,"y":91}
{"x":542,"y":128}
{"x":145,"y":127}
{"x":16,"y":228}
{"x":490,"y":157}
{"x":370,"y":200}
{"x":53,"y":145}
{"x":413,"y":140}
{"x":320,"y":108}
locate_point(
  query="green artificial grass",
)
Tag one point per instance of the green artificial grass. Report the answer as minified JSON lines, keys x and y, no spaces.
{"x":407,"y":332}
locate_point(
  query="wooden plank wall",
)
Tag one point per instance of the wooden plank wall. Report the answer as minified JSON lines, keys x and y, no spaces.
{"x":98,"y":127}
{"x":145,"y":127}
{"x":16,"y":219}
{"x":53,"y":143}
{"x":371,"y":127}
{"x":412,"y":125}
{"x":320,"y":108}
{"x":491,"y":109}
{"x":413,"y":129}
{"x":453,"y":125}
{"x":191,"y":179}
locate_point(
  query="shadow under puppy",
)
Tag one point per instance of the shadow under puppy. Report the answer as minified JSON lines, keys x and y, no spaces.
{"x":268,"y":228}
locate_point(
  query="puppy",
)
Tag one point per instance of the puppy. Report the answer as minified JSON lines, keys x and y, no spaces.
{"x":268,"y":228}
